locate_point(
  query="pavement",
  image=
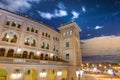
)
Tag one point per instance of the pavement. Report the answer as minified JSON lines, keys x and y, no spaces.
{"x":99,"y":77}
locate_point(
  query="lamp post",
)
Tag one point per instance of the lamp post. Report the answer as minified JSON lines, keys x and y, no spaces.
{"x":16,"y":75}
{"x":110,"y":72}
{"x":59,"y":73}
{"x":79,"y":74}
{"x":43,"y":74}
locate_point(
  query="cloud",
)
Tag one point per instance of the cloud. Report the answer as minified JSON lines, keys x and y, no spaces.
{"x":61,"y":6}
{"x":57,"y":13}
{"x":83,"y":9}
{"x":105,"y":45}
{"x":75,"y":14}
{"x":98,"y":27}
{"x":16,"y":5}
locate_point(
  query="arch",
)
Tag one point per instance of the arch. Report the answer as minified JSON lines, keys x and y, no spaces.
{"x":10,"y":53}
{"x":14,"y":39}
{"x":24,"y":55}
{"x":45,"y":44}
{"x":46,"y":56}
{"x":30,"y":41}
{"x":52,"y":75}
{"x":31,"y":55}
{"x":2,"y":51}
{"x":3,"y":74}
{"x":41,"y":56}
{"x":10,"y":35}
{"x":31,"y":74}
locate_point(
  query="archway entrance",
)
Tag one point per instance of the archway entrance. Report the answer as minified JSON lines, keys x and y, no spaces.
{"x":31,"y":74}
{"x":52,"y":75}
{"x":31,"y":55}
{"x":41,"y":56}
{"x":3,"y":74}
{"x":25,"y":53}
{"x":64,"y":75}
{"x":2,"y":51}
{"x":10,"y":53}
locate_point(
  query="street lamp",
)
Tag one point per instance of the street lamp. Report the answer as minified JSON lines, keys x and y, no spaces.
{"x":79,"y":73}
{"x":16,"y":75}
{"x":59,"y":73}
{"x":43,"y":74}
{"x":110,"y":72}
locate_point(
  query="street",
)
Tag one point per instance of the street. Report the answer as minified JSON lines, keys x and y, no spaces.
{"x":99,"y":77}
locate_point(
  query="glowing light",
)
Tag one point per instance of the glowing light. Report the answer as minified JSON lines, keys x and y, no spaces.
{"x":16,"y":75}
{"x":59,"y":73}
{"x":38,"y":52}
{"x":43,"y":74}
{"x":19,"y":50}
{"x":79,"y":72}
{"x":110,"y":72}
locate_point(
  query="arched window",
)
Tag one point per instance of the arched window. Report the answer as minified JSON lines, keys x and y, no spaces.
{"x":54,"y":48}
{"x":5,"y":37}
{"x":43,"y":34}
{"x":10,"y":53}
{"x":43,"y":45}
{"x":32,"y":29}
{"x":10,"y":37}
{"x":13,"y":24}
{"x":30,"y":41}
{"x":2,"y":51}
{"x":47,"y":47}
{"x":46,"y":34}
{"x":28,"y":29}
{"x":14,"y":39}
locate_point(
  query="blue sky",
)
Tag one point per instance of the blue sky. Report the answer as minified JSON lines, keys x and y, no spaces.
{"x":96,"y":18}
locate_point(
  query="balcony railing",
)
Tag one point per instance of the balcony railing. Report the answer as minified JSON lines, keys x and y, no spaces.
{"x":9,"y":60}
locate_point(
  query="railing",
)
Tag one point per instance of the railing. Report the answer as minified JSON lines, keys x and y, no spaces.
{"x":30,"y":61}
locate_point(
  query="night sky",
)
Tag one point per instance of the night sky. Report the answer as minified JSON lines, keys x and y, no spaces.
{"x":96,"y":18}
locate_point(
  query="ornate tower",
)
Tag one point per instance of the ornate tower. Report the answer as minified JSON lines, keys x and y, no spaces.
{"x":70,"y":47}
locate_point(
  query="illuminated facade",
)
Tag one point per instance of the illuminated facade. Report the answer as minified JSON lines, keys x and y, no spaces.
{"x":30,"y":50}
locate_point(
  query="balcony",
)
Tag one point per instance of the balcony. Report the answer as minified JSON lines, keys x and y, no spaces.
{"x":9,"y":60}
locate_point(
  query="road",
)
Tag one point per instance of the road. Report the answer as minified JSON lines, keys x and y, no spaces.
{"x":99,"y":77}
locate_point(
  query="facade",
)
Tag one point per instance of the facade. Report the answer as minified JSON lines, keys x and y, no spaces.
{"x":31,"y":50}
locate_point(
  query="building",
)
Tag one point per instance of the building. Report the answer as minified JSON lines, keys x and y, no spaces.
{"x":31,"y":50}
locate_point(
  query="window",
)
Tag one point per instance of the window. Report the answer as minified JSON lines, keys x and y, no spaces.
{"x":13,"y":24}
{"x":8,"y":23}
{"x":29,"y":41}
{"x":43,"y":34}
{"x":67,"y":44}
{"x":32,"y":30}
{"x":70,"y":32}
{"x":28,"y":29}
{"x":64,"y":34}
{"x":67,"y":56}
{"x":19,"y":25}
{"x":36,"y":31}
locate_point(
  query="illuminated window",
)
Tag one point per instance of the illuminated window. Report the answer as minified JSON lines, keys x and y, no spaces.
{"x":70,"y":32}
{"x":13,"y":24}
